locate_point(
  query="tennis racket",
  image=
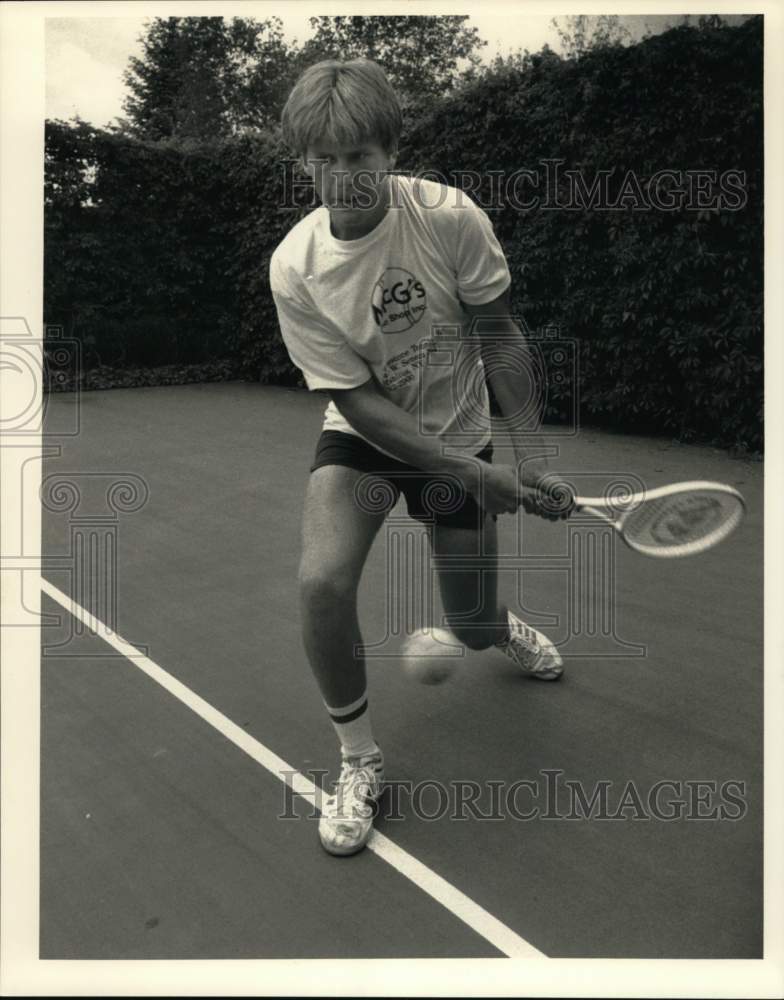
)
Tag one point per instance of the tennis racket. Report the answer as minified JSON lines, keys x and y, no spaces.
{"x":681,"y":519}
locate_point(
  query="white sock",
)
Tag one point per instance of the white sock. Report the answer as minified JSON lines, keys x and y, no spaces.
{"x":352,"y":725}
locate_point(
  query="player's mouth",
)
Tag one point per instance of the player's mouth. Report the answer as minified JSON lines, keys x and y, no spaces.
{"x":347,"y":203}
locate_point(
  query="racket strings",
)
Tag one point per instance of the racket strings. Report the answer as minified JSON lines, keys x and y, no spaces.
{"x":684,"y":522}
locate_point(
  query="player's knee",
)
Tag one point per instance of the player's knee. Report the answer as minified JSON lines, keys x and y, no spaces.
{"x":323,"y":591}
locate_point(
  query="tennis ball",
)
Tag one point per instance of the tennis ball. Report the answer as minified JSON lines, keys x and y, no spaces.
{"x":430,"y":656}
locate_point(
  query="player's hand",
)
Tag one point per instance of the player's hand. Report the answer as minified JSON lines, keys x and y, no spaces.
{"x":497,"y":489}
{"x":550,"y":496}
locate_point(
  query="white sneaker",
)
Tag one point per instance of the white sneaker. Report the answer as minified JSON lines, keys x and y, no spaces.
{"x":531,"y":651}
{"x":347,"y":815}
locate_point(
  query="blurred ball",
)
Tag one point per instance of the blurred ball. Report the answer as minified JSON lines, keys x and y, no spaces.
{"x":431,"y":656}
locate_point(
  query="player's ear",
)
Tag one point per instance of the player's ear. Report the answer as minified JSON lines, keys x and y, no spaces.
{"x":393,"y":159}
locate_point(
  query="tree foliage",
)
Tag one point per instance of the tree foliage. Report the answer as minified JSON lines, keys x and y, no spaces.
{"x":201,"y":78}
{"x":424,"y":57}
{"x":205,"y":77}
{"x":578,"y":33}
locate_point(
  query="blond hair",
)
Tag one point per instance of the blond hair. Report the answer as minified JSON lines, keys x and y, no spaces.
{"x":347,"y":103}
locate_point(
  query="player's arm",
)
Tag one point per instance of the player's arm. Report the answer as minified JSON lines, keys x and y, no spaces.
{"x":327,"y":361}
{"x":397,"y":432}
{"x":512,"y":377}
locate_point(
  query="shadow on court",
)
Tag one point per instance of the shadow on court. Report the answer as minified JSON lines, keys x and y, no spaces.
{"x":617,"y":813}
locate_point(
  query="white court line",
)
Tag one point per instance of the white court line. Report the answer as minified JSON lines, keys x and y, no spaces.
{"x":465,"y":909}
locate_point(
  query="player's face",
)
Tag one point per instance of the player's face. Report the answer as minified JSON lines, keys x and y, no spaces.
{"x":349,"y":180}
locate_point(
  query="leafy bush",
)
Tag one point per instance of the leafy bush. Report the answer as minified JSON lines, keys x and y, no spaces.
{"x":666,"y":306}
{"x":157,"y":253}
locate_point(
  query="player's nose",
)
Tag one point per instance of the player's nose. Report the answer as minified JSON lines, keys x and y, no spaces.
{"x":343,"y":182}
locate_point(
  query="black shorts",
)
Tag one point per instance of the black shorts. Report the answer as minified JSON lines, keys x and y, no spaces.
{"x":432,"y":498}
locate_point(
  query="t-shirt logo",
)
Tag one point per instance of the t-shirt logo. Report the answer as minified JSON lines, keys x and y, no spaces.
{"x":398,"y":300}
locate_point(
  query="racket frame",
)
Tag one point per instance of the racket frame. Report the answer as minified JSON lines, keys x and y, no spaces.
{"x":625,"y":506}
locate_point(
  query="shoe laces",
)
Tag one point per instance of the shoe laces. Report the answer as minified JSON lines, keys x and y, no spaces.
{"x":355,"y":789}
{"x":520,"y":633}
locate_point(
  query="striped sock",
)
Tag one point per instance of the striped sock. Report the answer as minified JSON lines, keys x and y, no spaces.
{"x":352,"y":725}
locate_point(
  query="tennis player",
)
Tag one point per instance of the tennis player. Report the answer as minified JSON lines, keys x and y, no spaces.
{"x":390,"y":297}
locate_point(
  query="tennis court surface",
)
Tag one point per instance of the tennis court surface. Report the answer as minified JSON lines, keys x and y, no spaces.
{"x":168,"y":826}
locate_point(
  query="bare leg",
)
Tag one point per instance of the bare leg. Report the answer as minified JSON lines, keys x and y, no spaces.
{"x":337,"y":536}
{"x":466,"y":560}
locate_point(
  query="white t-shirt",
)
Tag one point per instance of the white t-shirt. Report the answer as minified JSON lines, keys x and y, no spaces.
{"x":387,"y":306}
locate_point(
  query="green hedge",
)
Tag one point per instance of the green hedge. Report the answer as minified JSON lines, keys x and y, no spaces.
{"x":666,"y":306}
{"x":157,"y":254}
